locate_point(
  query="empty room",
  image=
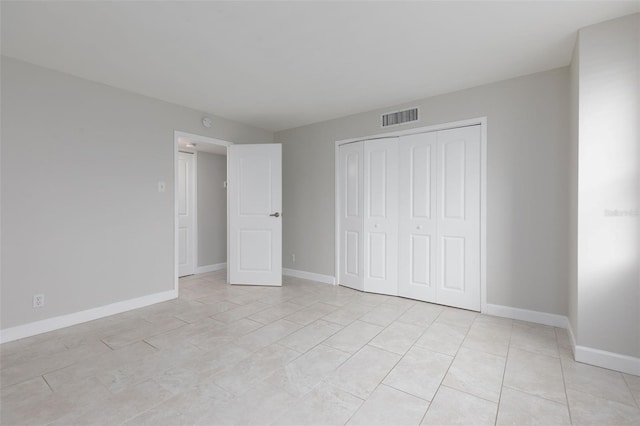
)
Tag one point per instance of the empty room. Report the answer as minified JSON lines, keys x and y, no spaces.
{"x":320,"y":213}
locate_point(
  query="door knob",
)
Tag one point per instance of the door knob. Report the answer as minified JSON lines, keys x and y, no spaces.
{"x":276,"y":214}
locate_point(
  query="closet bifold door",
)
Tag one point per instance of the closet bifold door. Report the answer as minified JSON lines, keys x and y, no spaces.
{"x":417,"y":217}
{"x":380,"y":216}
{"x":458,"y":221}
{"x":351,"y":200}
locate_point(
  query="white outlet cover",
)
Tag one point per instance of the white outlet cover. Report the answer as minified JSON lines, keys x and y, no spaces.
{"x":162,"y":187}
{"x":38,"y":300}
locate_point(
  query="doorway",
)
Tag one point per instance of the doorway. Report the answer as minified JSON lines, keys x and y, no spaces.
{"x":201,"y":235}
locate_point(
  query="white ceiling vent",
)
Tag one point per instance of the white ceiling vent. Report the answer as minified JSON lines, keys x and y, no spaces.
{"x":399,"y":117}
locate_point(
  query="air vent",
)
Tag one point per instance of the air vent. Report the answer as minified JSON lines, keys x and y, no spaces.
{"x":399,"y":117}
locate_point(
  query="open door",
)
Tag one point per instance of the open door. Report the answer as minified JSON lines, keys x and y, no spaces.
{"x":255,"y":214}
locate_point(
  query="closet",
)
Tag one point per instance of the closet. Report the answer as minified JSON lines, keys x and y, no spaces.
{"x":409,"y":216}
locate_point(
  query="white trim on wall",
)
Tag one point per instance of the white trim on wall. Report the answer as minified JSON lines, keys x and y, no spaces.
{"x":538,"y":317}
{"x":599,"y":358}
{"x":210,"y":268}
{"x":483,"y":214}
{"x":416,"y":130}
{"x":327,"y":279}
{"x":194,"y":206}
{"x":62,"y":321}
{"x":482,"y":122}
{"x":611,"y":360}
{"x":605,"y":359}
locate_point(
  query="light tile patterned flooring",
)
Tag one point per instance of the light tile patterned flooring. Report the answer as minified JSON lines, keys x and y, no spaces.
{"x":305,"y":353}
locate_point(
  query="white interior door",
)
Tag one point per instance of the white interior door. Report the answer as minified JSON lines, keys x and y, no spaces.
{"x":458,"y":202}
{"x":380,"y":216}
{"x":255,"y":214}
{"x":417,"y":222}
{"x":186,"y":214}
{"x":350,"y":177}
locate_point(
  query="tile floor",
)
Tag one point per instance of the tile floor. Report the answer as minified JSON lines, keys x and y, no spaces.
{"x":305,"y":353}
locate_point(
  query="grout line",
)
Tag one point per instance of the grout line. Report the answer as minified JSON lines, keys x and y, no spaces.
{"x":107,"y":345}
{"x":45,"y":380}
{"x":564,"y":382}
{"x":154,"y":347}
{"x":414,"y":345}
{"x":470,"y":394}
{"x":404,"y":392}
{"x":359,"y":407}
{"x":504,"y":373}
{"x":453,"y":359}
{"x":637,"y":400}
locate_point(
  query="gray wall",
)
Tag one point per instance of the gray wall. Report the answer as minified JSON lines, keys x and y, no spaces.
{"x":212,"y":209}
{"x":528,"y":185}
{"x":609,"y":180}
{"x":82,"y":220}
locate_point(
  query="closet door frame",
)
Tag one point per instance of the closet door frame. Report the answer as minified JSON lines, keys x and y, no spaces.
{"x":482,"y":121}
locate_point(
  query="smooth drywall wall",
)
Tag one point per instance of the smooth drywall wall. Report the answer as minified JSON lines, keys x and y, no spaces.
{"x":82,"y":219}
{"x":527,"y":184}
{"x":212,"y":209}
{"x":609,"y":187}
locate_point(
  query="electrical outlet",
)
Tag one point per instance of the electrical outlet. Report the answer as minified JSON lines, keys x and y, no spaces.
{"x":162,"y":187}
{"x":38,"y":300}
{"x":293,"y":258}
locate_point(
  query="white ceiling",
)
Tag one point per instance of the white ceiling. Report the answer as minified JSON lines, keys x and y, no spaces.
{"x":279,"y":65}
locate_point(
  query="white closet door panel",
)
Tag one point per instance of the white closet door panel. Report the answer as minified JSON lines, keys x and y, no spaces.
{"x":351,"y":176}
{"x":417,"y":217}
{"x":458,"y":217}
{"x":380,"y":216}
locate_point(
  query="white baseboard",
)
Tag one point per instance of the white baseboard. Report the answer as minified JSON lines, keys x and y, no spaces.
{"x":327,"y":279}
{"x":611,"y":360}
{"x":527,"y":315}
{"x":210,"y":268}
{"x":62,"y":321}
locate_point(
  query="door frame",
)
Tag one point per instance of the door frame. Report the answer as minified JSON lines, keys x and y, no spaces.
{"x":482,"y":122}
{"x":198,"y":139}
